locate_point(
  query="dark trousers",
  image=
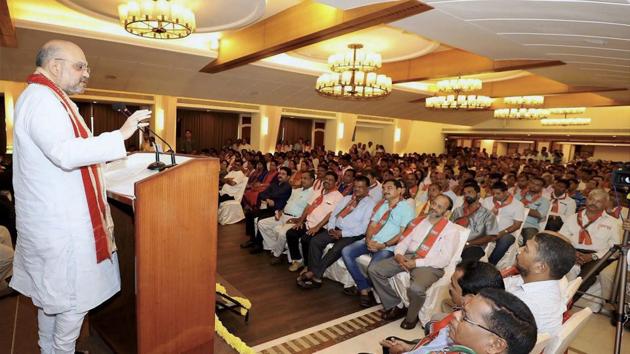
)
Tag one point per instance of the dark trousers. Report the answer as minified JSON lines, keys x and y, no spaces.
{"x":554,"y":223}
{"x":587,"y":283}
{"x":473,"y":253}
{"x":317,"y":261}
{"x":502,"y":246}
{"x":225,"y":198}
{"x":293,"y":242}
{"x":251,"y":215}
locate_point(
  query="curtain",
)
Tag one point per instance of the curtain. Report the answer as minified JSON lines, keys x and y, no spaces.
{"x":107,"y":120}
{"x":3,"y":128}
{"x":294,"y":129}
{"x":209,"y":129}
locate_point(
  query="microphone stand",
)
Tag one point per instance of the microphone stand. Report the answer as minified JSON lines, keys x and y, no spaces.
{"x":157,"y":165}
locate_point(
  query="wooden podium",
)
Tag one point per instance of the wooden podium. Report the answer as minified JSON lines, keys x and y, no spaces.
{"x":166,"y":231}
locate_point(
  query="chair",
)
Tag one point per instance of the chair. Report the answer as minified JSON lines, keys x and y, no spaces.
{"x":570,"y":289}
{"x":541,"y":342}
{"x":509,"y":257}
{"x":231,"y":211}
{"x":439,"y":290}
{"x":543,"y":223}
{"x":569,"y":331}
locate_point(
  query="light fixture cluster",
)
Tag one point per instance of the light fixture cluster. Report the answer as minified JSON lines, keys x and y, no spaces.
{"x":521,"y":113}
{"x":458,"y":102}
{"x":457,"y":99}
{"x":565,"y":121}
{"x":353,"y":76}
{"x":524,"y":100}
{"x":159,"y":19}
{"x":568,"y":110}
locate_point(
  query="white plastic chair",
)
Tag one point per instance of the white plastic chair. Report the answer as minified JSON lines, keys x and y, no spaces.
{"x":541,"y":343}
{"x":436,"y":293}
{"x":231,"y":211}
{"x":569,"y":331}
{"x":570,"y":289}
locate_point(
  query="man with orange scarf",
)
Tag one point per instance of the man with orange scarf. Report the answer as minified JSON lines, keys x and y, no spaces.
{"x":592,"y":232}
{"x":65,"y":258}
{"x":481,"y":222}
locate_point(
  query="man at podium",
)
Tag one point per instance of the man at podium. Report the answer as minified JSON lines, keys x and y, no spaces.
{"x":65,"y":258}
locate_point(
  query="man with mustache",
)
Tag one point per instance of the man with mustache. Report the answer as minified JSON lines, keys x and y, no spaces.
{"x":481,"y":222}
{"x":428,"y":244}
{"x":65,"y":259}
{"x":509,"y":212}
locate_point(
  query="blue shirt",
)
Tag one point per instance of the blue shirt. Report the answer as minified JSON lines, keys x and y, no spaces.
{"x":541,"y":206}
{"x":402,"y":214}
{"x":355,"y":223}
{"x":440,"y":342}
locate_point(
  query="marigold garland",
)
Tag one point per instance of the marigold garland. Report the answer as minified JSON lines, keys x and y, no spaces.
{"x":232,"y":340}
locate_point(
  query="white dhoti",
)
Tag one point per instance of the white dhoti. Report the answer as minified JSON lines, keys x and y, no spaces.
{"x":274,"y":233}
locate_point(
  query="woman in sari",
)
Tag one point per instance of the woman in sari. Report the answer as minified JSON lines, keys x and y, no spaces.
{"x":260,"y":183}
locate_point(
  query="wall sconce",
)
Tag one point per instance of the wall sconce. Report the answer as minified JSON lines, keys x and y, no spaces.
{"x":264,"y":126}
{"x":340,"y":131}
{"x":397,"y":135}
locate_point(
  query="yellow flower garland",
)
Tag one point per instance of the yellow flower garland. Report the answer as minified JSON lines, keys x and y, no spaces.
{"x":232,"y":340}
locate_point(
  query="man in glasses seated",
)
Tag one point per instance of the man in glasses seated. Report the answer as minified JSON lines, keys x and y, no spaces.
{"x":493,"y":321}
{"x":467,"y":280}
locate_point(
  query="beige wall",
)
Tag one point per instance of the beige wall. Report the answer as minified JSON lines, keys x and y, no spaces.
{"x":365,"y":134}
{"x":424,"y":137}
{"x":614,"y":153}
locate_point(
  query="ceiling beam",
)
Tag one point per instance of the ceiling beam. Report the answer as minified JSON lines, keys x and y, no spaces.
{"x":454,"y":62}
{"x":304,"y":24}
{"x":7,"y":28}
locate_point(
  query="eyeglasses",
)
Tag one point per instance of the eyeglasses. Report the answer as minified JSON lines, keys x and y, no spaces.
{"x":465,"y":318}
{"x":77,"y":65}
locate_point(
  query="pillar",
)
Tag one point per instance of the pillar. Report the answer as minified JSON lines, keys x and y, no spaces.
{"x":11,"y":91}
{"x":164,"y":119}
{"x":346,"y":123}
{"x":265,"y":128}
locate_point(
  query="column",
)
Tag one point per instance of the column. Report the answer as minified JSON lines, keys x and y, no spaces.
{"x":164,"y":119}
{"x":265,"y":126}
{"x":346,"y":123}
{"x":11,"y":91}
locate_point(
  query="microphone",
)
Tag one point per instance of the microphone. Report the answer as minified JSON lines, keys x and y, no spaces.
{"x":157,"y":165}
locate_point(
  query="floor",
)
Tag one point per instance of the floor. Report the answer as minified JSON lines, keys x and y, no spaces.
{"x":281,"y":312}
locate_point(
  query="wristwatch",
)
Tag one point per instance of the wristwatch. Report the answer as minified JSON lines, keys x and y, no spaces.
{"x":594,"y":256}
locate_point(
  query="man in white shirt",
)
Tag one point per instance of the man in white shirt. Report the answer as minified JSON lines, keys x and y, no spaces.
{"x":273,"y":229}
{"x":509,"y":213}
{"x":542,"y":262}
{"x":592,"y":232}
{"x":314,"y":218}
{"x":376,"y":189}
{"x":65,"y":258}
{"x":235,"y":182}
{"x":428,"y":245}
{"x":562,"y":205}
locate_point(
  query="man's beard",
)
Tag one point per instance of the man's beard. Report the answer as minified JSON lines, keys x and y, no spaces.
{"x":523,"y":271}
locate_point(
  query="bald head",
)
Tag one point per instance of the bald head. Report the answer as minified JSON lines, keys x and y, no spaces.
{"x":65,"y":64}
{"x":596,"y":201}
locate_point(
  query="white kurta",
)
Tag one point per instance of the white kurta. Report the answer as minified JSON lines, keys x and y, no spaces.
{"x":55,"y":258}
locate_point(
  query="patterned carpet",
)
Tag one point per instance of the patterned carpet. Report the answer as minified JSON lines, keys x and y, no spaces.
{"x":331,"y":335}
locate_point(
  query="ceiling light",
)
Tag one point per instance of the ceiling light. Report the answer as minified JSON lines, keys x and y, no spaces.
{"x":568,"y":110}
{"x":458,"y":84}
{"x":521,"y":113}
{"x":159,"y":19}
{"x":353,"y":76}
{"x":565,"y":121}
{"x":524,"y":100}
{"x":458,"y":102}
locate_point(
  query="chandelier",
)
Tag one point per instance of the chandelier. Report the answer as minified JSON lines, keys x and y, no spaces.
{"x":565,"y":121}
{"x":159,"y":19}
{"x":456,"y":99}
{"x":524,"y":100}
{"x":568,"y":110}
{"x":354,"y":76}
{"x":521,"y":113}
{"x":458,"y":102}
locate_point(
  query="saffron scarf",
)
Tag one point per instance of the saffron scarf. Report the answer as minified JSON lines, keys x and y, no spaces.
{"x":585,"y":236}
{"x":430,"y":239}
{"x":102,"y":225}
{"x":375,"y":227}
{"x":464,"y":220}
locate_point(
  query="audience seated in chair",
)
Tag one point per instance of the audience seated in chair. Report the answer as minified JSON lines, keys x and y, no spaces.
{"x":592,"y":232}
{"x":491,"y":322}
{"x":467,"y":280}
{"x":347,"y":224}
{"x":258,"y":181}
{"x":537,"y":204}
{"x":481,"y":222}
{"x":376,"y":188}
{"x":562,"y":206}
{"x":509,"y":213}
{"x":542,"y":262}
{"x":273,"y":229}
{"x":272,"y":199}
{"x":233,"y":182}
{"x":428,"y":244}
{"x":313,"y":220}
{"x":389,"y":219}
{"x":347,"y":182}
